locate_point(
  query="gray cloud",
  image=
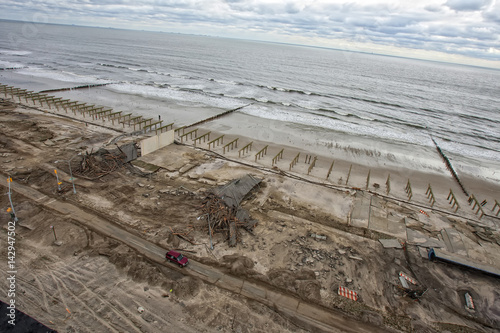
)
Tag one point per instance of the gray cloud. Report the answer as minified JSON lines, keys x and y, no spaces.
{"x":467,"y":27}
{"x":467,"y":5}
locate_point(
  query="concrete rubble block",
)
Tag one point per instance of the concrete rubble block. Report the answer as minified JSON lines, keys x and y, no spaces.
{"x":390,"y":243}
{"x":418,"y":238}
{"x":186,"y":168}
{"x":318,"y":237}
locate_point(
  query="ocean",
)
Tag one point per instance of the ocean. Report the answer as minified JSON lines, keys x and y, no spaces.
{"x":359,"y":98}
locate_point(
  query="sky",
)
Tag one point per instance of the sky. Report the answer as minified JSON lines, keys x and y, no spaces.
{"x":460,"y":31}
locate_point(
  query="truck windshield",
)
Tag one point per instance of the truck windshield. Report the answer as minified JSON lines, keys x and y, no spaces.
{"x":179,"y":258}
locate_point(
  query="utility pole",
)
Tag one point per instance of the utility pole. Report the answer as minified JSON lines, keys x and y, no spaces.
{"x":71,"y":174}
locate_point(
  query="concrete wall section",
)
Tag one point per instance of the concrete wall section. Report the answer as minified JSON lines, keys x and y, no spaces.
{"x":149,"y":145}
{"x":153,"y":143}
{"x":166,"y":138}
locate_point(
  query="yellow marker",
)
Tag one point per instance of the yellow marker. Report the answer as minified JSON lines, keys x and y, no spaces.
{"x":55,"y":171}
{"x":59,"y":183}
{"x":68,"y":310}
{"x":9,"y":210}
{"x":9,"y":180}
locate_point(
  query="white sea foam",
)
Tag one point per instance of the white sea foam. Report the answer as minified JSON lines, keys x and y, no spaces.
{"x":8,"y":64}
{"x":60,"y":76}
{"x":15,"y":53}
{"x":178,"y":95}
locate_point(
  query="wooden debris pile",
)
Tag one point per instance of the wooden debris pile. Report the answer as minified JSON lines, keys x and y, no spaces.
{"x":223,"y":212}
{"x":98,"y":164}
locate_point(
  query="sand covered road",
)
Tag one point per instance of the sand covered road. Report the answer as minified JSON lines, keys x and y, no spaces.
{"x":308,"y":315}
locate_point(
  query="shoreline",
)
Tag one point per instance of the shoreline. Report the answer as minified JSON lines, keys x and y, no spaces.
{"x":423,"y":167}
{"x":325,"y":141}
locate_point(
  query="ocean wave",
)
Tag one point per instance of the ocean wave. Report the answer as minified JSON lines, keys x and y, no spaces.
{"x":11,"y":65}
{"x":191,"y":96}
{"x":294,"y":91}
{"x":15,"y":53}
{"x":61,"y":76}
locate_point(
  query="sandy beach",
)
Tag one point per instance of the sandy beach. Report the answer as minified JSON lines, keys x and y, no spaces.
{"x":349,"y":211}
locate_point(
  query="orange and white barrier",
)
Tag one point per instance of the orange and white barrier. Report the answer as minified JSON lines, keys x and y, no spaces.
{"x":421,"y":211}
{"x":348,"y":293}
{"x":407,"y":278}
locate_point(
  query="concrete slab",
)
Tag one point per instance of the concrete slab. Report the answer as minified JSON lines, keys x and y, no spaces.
{"x":360,"y":214}
{"x":418,"y":238}
{"x":390,"y":243}
{"x":453,"y":241}
{"x":172,"y":157}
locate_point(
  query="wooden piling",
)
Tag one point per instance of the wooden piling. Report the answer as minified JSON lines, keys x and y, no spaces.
{"x":388,"y":184}
{"x":205,"y":137}
{"x":230,"y":145}
{"x":495,"y":206}
{"x":278,"y":157}
{"x":453,"y":200}
{"x":330,"y":170}
{"x":313,"y":164}
{"x":294,"y":161}
{"x":430,"y":195}
{"x":245,"y":149}
{"x":348,"y":175}
{"x":191,"y":133}
{"x":261,"y":153}
{"x":408,"y":190}
{"x":165,"y":127}
{"x":368,"y":180}
{"x":219,"y":140}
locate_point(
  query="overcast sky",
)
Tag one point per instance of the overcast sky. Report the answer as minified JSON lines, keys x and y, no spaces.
{"x":448,"y":30}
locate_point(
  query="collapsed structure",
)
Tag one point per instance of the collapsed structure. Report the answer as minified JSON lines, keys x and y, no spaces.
{"x":222,"y":208}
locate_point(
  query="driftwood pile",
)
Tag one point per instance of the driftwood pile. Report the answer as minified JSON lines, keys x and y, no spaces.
{"x":98,"y":164}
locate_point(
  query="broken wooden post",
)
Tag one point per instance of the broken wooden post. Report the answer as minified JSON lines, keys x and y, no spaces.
{"x":330,"y":169}
{"x":261,"y":153}
{"x":230,"y":145}
{"x":348,"y":175}
{"x":388,"y":184}
{"x":245,"y":149}
{"x":219,"y":140}
{"x":150,"y":126}
{"x":495,"y":206}
{"x":476,"y":204}
{"x":368,"y":180}
{"x":430,"y":195}
{"x":278,"y":157}
{"x":144,"y":121}
{"x":294,"y":161}
{"x":312,"y":165}
{"x":195,"y":132}
{"x":408,"y":190}
{"x":205,"y":137}
{"x":453,"y":201}
{"x":179,"y":129}
{"x":165,"y":127}
{"x":60,"y":103}
{"x":69,"y":105}
{"x":121,"y":119}
{"x":113,"y":115}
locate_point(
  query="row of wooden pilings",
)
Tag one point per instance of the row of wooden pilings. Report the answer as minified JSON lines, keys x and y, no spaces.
{"x":86,"y":110}
{"x":311,"y":161}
